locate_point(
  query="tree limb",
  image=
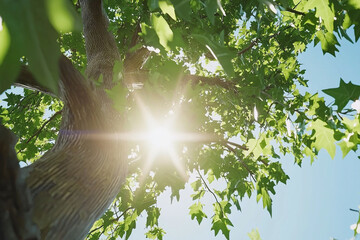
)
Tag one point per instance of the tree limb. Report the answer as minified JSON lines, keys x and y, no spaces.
{"x":100,"y":44}
{"x":68,"y":77}
{"x":25,"y":79}
{"x":15,"y":201}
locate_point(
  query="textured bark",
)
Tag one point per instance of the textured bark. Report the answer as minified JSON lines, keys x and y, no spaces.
{"x":27,"y":80}
{"x":74,"y":183}
{"x":15,"y":200}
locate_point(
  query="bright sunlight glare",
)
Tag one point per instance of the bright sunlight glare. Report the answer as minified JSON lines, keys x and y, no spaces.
{"x":160,"y":138}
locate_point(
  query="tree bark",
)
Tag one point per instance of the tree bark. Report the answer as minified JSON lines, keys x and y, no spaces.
{"x":74,"y":183}
{"x":15,"y":200}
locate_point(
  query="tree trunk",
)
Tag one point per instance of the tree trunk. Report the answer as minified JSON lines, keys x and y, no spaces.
{"x":74,"y":183}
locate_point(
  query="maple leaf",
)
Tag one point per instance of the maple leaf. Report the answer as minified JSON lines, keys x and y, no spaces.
{"x":324,"y":11}
{"x":344,"y":93}
{"x":324,"y":137}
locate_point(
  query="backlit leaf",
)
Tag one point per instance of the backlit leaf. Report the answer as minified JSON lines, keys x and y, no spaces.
{"x":163,"y":30}
{"x":344,"y":93}
{"x":167,"y":8}
{"x":323,"y":11}
{"x":324,"y":137}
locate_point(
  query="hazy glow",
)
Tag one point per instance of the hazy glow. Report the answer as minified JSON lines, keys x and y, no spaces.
{"x":160,"y":138}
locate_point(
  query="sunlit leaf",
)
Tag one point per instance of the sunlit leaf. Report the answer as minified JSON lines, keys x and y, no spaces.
{"x":324,"y":11}
{"x":254,"y":234}
{"x":4,"y":41}
{"x":196,"y":212}
{"x":167,"y":8}
{"x":162,"y":30}
{"x":31,"y":36}
{"x":324,"y":137}
{"x":328,"y":42}
{"x":63,"y":16}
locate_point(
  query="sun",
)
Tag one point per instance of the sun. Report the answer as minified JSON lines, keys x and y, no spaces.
{"x":160,"y":138}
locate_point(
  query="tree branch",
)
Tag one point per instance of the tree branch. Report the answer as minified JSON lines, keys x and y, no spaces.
{"x":15,"y":201}
{"x":69,"y":77}
{"x":295,"y":11}
{"x":43,"y":125}
{"x":250,"y":46}
{"x":354,"y":210}
{"x":101,"y":49}
{"x":241,"y":162}
{"x":237,"y":145}
{"x":25,"y":79}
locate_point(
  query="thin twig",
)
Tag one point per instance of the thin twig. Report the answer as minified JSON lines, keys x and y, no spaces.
{"x":238,"y":145}
{"x":208,"y":188}
{"x":43,"y":125}
{"x":295,"y":11}
{"x":125,"y":211}
{"x":252,"y":44}
{"x":94,"y":230}
{"x":339,"y":116}
{"x":263,"y":161}
{"x":354,"y":210}
{"x":276,"y":101}
{"x":112,"y":221}
{"x":241,"y":162}
{"x":20,"y":104}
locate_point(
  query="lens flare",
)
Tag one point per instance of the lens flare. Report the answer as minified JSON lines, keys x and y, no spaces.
{"x":160,"y":138}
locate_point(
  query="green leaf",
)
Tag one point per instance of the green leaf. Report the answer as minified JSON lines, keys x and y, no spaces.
{"x":349,"y":143}
{"x":153,"y":5}
{"x":153,"y":214}
{"x":196,"y":212}
{"x":155,"y":233}
{"x":32,"y":36}
{"x":266,"y":200}
{"x":221,"y":224}
{"x":210,"y":176}
{"x":211,"y":7}
{"x":223,"y":54}
{"x":352,"y":125}
{"x":343,"y":94}
{"x":324,"y":137}
{"x":196,"y":185}
{"x":4,"y":40}
{"x":259,"y":147}
{"x":323,"y":11}
{"x":163,"y":30}
{"x":328,"y":42}
{"x":63,"y":16}
{"x":182,"y":8}
{"x":355,"y":4}
{"x":254,"y":235}
{"x":118,"y":96}
{"x":167,"y":8}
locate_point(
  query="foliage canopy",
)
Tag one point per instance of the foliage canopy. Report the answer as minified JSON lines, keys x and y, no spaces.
{"x":245,"y":113}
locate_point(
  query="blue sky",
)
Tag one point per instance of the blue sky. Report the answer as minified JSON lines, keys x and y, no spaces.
{"x":315,"y":202}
